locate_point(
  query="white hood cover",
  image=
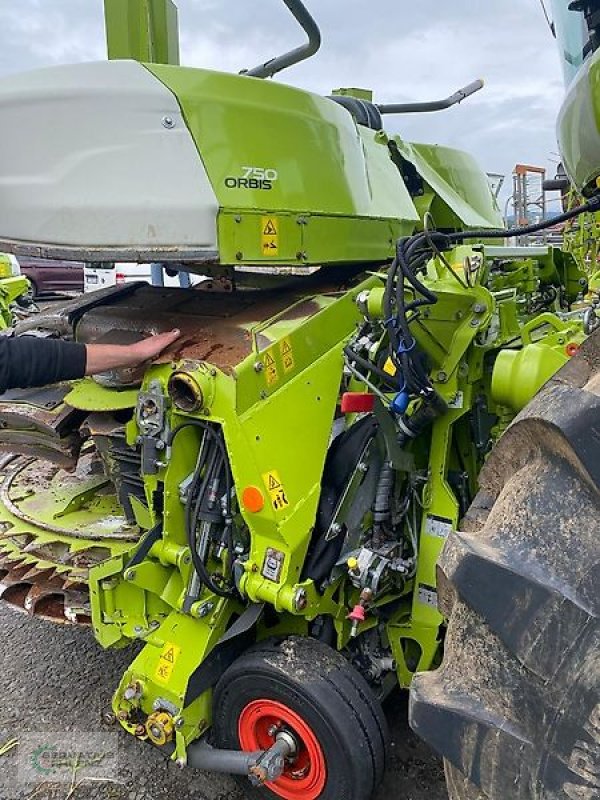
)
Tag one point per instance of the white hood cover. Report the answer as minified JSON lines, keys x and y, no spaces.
{"x":96,"y":161}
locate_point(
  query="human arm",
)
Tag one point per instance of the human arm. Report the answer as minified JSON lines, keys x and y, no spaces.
{"x":102,"y":357}
{"x":29,"y":361}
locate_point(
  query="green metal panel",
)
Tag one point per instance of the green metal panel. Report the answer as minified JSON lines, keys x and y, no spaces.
{"x":296,"y":155}
{"x":10,"y":290}
{"x":579,"y":126}
{"x":143,"y":30}
{"x":464,"y":197}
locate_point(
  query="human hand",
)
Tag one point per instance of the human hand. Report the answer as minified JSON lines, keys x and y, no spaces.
{"x":103,"y":357}
{"x":148,"y":349}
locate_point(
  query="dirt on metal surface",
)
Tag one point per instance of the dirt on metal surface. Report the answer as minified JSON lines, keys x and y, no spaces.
{"x":57,"y":679}
{"x":215,"y":327}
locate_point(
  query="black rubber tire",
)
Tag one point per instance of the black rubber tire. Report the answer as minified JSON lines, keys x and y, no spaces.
{"x":316,"y":682}
{"x":515,"y":707}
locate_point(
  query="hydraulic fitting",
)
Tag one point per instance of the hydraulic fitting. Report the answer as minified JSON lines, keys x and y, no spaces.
{"x":159,"y":727}
{"x":191,"y":387}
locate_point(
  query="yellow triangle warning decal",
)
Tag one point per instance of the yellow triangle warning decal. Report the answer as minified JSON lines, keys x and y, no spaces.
{"x":169,"y":655}
{"x":270,"y":229}
{"x":285,"y":348}
{"x":269,"y":360}
{"x":273,"y":483}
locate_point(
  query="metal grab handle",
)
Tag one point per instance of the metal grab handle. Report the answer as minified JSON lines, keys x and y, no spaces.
{"x":434,"y":105}
{"x":307,"y":50}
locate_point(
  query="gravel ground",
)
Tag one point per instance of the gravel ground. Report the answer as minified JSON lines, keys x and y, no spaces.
{"x":56,"y":678}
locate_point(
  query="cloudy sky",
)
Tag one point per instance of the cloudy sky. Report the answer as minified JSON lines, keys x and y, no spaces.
{"x":403,"y":50}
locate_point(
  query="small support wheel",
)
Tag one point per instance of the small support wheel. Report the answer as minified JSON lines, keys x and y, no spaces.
{"x":305,"y":691}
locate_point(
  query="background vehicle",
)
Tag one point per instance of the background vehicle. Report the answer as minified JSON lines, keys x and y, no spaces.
{"x":101,"y":275}
{"x":265,"y":507}
{"x":52,"y":276}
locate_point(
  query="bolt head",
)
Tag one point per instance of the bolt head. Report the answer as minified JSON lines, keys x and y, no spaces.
{"x":300,"y":600}
{"x":168,"y":122}
{"x":205,"y":609}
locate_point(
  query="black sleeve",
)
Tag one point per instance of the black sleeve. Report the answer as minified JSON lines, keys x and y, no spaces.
{"x":28,"y":361}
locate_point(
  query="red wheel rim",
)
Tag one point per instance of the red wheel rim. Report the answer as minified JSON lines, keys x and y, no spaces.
{"x":304,"y":778}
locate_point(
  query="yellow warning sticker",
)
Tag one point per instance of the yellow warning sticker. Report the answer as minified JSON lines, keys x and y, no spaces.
{"x":287,"y":355}
{"x":269,"y":227}
{"x":271,"y":373}
{"x":390,"y":367}
{"x":276,"y":490}
{"x":166,"y":663}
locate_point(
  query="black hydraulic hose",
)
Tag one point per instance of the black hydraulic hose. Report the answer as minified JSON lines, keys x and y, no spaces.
{"x":197,"y":423}
{"x":413,"y":372}
{"x":191,"y":519}
{"x":412,"y":254}
{"x":382,"y":507}
{"x":592,"y":205}
{"x":193,"y":487}
{"x":370,"y":367}
{"x":199,"y":565}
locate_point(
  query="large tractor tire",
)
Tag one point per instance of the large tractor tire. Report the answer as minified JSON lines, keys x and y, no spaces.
{"x":515,"y":707}
{"x":311,"y":691}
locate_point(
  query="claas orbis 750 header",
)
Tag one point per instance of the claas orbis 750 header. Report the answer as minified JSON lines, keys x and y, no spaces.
{"x":265,"y":508}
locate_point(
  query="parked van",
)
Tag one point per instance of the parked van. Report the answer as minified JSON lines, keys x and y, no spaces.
{"x":99,"y":275}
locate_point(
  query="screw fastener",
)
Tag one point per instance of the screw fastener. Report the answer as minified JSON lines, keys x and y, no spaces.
{"x":300,"y":600}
